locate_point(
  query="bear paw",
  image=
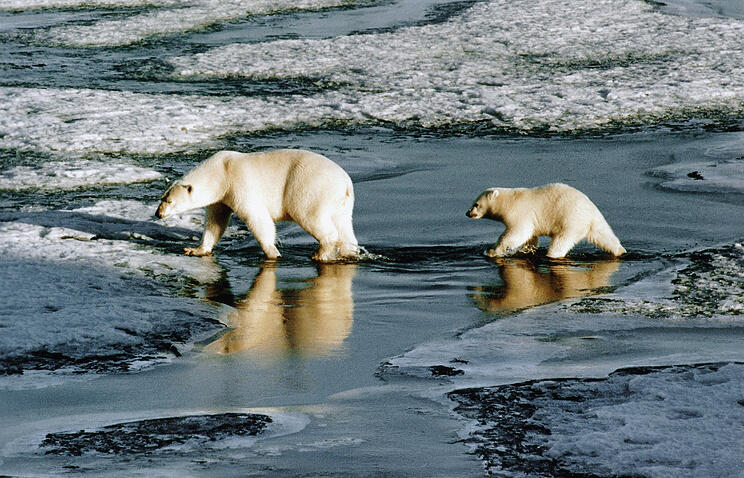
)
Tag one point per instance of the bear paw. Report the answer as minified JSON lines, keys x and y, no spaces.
{"x":494,"y":253}
{"x":196,"y":251}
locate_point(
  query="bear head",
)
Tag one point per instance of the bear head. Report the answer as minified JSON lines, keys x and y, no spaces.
{"x":176,"y":199}
{"x":482,"y":204}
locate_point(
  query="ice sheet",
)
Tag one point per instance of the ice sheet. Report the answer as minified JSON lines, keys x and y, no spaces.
{"x":74,"y":174}
{"x":188,"y":16}
{"x":21,"y":5}
{"x":64,"y":121}
{"x":667,"y":422}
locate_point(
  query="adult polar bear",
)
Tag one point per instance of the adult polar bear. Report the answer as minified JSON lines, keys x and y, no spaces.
{"x":556,"y":210}
{"x":263,"y":188}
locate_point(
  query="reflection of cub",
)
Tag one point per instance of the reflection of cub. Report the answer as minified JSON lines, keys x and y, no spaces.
{"x":556,"y":210}
{"x":272,"y":322}
{"x":527,"y":285}
{"x":263,"y":188}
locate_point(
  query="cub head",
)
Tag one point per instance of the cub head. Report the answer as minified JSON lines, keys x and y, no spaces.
{"x":482,"y":204}
{"x":176,"y":199}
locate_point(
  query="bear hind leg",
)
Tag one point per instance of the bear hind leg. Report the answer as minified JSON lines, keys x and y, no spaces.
{"x":322,"y":227}
{"x":603,"y":237}
{"x":560,"y":245}
{"x":347,"y":242}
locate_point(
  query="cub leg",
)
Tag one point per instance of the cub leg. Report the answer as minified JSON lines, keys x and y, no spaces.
{"x":218,"y":217}
{"x":510,"y":240}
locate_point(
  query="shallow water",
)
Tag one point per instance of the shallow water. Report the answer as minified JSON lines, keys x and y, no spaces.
{"x":107,"y":326}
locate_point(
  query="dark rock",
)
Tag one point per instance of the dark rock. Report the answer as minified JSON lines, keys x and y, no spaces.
{"x":147,"y":436}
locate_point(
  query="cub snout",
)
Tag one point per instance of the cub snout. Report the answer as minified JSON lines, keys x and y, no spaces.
{"x":472,"y":213}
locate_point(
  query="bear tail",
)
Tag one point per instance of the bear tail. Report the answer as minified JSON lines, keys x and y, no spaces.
{"x":601,"y":235}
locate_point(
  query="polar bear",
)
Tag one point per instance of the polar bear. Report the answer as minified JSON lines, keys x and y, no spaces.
{"x":263,"y":188}
{"x":556,"y":210}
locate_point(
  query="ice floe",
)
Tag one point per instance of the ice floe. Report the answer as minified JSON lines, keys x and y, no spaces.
{"x":710,"y":285}
{"x":20,"y":5}
{"x":709,"y":177}
{"x":87,"y":291}
{"x":518,"y":64}
{"x":178,"y":17}
{"x":689,"y":310}
{"x":512,"y":66}
{"x":82,"y":121}
{"x":74,"y":174}
{"x":148,"y":436}
{"x":678,"y":421}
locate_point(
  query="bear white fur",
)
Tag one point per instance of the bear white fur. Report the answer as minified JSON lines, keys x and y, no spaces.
{"x":556,"y":210}
{"x":263,"y":188}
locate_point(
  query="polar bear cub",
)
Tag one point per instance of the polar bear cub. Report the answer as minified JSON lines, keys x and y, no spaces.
{"x":556,"y":210}
{"x":263,"y":188}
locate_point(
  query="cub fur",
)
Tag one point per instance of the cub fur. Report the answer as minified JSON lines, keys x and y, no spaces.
{"x":556,"y":210}
{"x":263,"y":188}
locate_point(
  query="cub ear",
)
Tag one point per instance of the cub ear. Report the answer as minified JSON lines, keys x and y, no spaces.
{"x":189,"y":188}
{"x":492,"y":193}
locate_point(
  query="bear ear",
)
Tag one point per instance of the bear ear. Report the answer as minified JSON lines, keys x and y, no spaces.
{"x":189,"y":188}
{"x":492,"y":193}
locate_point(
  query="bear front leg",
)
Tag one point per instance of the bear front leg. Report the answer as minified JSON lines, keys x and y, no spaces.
{"x":218,"y":217}
{"x":511,"y":240}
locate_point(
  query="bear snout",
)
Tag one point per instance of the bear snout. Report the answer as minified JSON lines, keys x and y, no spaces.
{"x":160,"y":213}
{"x":471,"y":213}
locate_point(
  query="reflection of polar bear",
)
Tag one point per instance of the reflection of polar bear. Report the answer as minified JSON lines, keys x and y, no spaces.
{"x":556,"y":210}
{"x":262,"y":188}
{"x":272,"y":323}
{"x":527,"y":284}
